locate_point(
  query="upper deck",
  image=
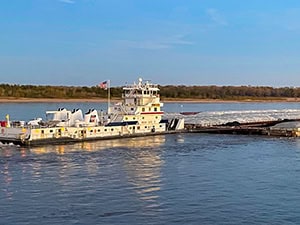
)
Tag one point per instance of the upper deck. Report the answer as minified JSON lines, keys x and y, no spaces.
{"x":141,"y":93}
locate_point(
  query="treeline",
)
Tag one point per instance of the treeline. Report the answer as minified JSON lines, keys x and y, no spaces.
{"x":228,"y":92}
{"x":37,"y":91}
{"x":169,"y":91}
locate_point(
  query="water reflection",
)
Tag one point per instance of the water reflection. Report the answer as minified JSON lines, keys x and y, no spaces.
{"x":7,"y":179}
{"x":143,"y":170}
{"x":132,"y":143}
{"x":180,"y":138}
{"x":82,"y":167}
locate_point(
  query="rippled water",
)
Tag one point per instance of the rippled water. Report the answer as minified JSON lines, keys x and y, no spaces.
{"x":172,"y":179}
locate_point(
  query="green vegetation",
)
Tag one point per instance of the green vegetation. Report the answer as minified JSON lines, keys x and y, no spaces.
{"x":32,"y":91}
{"x":169,"y":92}
{"x":229,"y":92}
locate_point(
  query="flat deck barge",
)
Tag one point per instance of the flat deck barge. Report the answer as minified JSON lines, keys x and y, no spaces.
{"x":283,"y":128}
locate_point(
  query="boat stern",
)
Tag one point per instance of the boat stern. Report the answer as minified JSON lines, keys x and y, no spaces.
{"x":15,"y":135}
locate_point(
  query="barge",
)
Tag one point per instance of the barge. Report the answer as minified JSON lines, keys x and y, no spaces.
{"x":138,"y":114}
{"x":280,"y":128}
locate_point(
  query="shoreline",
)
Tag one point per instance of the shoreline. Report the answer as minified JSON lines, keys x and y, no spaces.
{"x":166,"y":100}
{"x":50,"y":100}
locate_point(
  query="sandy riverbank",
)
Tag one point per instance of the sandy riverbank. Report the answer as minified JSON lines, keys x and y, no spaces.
{"x":169,"y":100}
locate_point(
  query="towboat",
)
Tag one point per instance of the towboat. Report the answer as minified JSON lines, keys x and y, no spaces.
{"x":138,"y":114}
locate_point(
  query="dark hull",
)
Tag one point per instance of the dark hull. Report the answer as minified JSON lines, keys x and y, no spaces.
{"x":50,"y":141}
{"x":189,"y":113}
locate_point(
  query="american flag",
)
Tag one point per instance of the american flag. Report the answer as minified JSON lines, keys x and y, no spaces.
{"x":103,"y":84}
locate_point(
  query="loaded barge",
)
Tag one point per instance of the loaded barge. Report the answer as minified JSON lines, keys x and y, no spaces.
{"x":281,"y":128}
{"x":138,"y":114}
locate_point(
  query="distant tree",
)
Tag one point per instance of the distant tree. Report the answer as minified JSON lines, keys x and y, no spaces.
{"x":168,"y":91}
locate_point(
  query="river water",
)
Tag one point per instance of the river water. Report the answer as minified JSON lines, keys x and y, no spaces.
{"x":168,"y":179}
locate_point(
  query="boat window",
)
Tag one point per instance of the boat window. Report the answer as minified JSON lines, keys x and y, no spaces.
{"x":149,"y":109}
{"x":112,"y":129}
{"x":144,"y":92}
{"x":160,"y":125}
{"x":156,"y":117}
{"x":133,"y":127}
{"x":51,"y":131}
{"x":105,"y":129}
{"x":98,"y":130}
{"x":138,"y":127}
{"x":126,"y":118}
{"x":143,"y":117}
{"x":145,"y":126}
{"x":132,"y":109}
{"x":133,"y":118}
{"x":143,"y":109}
{"x":155,"y":109}
{"x":91,"y":131}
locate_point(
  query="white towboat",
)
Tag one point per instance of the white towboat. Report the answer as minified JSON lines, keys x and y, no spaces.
{"x":140,"y":113}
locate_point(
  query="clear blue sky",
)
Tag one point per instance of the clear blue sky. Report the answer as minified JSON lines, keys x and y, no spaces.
{"x":190,"y":42}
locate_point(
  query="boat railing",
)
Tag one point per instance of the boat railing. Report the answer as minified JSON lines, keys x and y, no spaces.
{"x":115,"y":116}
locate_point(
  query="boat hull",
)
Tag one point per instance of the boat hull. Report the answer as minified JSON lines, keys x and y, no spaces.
{"x":64,"y":135}
{"x":66,"y":140}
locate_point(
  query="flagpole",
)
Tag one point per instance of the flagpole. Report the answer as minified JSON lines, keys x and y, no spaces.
{"x":108,"y":97}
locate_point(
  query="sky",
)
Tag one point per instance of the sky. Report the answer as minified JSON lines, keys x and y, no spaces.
{"x":170,"y":42}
